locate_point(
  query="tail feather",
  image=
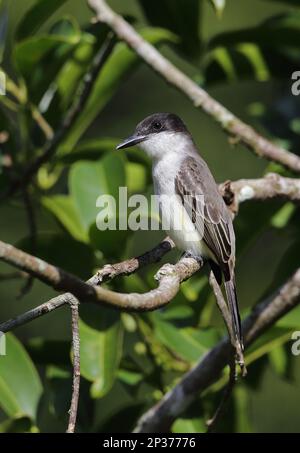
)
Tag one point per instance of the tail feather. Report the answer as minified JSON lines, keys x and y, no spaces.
{"x":234,"y":309}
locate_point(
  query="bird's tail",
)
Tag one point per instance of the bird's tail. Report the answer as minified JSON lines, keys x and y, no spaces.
{"x":234,"y":309}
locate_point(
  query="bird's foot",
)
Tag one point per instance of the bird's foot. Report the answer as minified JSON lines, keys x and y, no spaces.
{"x":197,"y":258}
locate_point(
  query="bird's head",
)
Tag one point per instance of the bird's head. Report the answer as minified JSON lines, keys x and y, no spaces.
{"x":158,"y":134}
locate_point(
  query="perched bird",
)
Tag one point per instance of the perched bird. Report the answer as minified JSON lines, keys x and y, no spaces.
{"x":179,"y":172}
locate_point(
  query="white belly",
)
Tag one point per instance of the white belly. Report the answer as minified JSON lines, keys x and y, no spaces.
{"x":175,"y":219}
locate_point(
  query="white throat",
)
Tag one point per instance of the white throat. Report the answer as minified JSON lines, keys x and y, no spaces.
{"x":157,"y":146}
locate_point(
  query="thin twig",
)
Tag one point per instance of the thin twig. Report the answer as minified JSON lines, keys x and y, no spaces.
{"x":42,"y":122}
{"x":200,"y":98}
{"x":76,"y":367}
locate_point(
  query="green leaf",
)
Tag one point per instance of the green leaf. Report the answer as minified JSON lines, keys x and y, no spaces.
{"x":182,"y":17}
{"x":179,"y":312}
{"x":136,"y":177}
{"x":279,"y":360}
{"x":250,"y":54}
{"x":88,"y":181}
{"x":39,"y":58}
{"x":120,"y":64}
{"x":101,"y":351}
{"x":282,"y":217}
{"x":274,"y":338}
{"x":67,"y":80}
{"x":219,"y":6}
{"x":284,"y":29}
{"x":63,"y":208}
{"x":291,"y":320}
{"x":93,"y":149}
{"x":130,"y":377}
{"x":246,"y":233}
{"x":287,"y":266}
{"x":20,"y":385}
{"x":36,"y":16}
{"x":108,"y":241}
{"x":29,"y":53}
{"x":242,"y":404}
{"x":188,"y":343}
{"x":19,"y":425}
{"x":63,"y":251}
{"x":189,"y":425}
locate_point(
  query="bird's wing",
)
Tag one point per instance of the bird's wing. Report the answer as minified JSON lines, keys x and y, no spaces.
{"x":213,"y":221}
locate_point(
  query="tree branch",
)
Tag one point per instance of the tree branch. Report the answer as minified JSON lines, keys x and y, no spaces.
{"x":169,"y":278}
{"x":161,"y":416}
{"x":108,"y":273}
{"x":270,"y":187}
{"x":200,"y":98}
{"x":76,"y":366}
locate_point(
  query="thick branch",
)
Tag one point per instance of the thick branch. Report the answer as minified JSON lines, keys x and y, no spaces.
{"x":169,"y":278}
{"x":109,"y":272}
{"x":200,"y":98}
{"x":161,"y":416}
{"x":269,"y":187}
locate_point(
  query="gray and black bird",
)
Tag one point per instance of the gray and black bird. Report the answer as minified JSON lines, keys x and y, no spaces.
{"x":180,"y":173}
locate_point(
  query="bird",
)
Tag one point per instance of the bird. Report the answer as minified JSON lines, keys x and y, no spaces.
{"x":179,"y":172}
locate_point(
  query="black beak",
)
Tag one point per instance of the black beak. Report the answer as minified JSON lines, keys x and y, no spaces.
{"x":131,"y":141}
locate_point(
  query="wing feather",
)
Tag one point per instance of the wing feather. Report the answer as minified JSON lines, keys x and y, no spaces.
{"x":193,"y":182}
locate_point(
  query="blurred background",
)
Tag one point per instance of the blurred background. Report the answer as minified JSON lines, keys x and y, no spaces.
{"x":243,"y":53}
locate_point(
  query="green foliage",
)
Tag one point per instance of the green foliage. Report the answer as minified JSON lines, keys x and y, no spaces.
{"x":251,"y":54}
{"x":179,"y":16}
{"x":101,"y":351}
{"x":128,"y":362}
{"x":36,"y":16}
{"x":122,"y":62}
{"x":20,"y":384}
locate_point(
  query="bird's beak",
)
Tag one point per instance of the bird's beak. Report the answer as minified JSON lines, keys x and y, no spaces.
{"x":131,"y":141}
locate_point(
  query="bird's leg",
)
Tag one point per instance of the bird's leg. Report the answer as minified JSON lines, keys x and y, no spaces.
{"x":188,"y":254}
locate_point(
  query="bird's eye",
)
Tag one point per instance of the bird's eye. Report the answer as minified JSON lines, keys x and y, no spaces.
{"x":157,"y":125}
